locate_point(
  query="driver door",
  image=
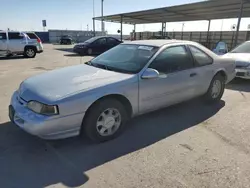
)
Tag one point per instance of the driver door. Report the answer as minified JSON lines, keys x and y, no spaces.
{"x":99,"y":46}
{"x":176,"y":81}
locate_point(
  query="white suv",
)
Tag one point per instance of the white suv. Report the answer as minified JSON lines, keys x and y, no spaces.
{"x":19,"y":43}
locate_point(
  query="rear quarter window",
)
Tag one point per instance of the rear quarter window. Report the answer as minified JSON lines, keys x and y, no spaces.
{"x":32,"y":35}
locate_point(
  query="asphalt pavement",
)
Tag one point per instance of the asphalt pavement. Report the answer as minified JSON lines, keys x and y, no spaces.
{"x":183,"y":146}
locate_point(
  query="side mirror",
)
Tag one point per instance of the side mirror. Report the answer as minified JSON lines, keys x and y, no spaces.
{"x":150,"y":74}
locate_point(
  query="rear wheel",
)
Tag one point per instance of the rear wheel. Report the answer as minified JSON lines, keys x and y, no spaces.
{"x":105,"y":120}
{"x":216,"y":89}
{"x":29,"y":52}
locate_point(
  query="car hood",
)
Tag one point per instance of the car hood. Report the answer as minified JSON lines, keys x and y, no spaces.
{"x":58,"y":84}
{"x":241,"y":59}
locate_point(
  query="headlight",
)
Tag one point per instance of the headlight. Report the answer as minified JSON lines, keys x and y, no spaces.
{"x":81,"y":46}
{"x":42,"y":108}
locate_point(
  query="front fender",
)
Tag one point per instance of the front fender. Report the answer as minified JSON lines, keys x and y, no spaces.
{"x":80,"y":102}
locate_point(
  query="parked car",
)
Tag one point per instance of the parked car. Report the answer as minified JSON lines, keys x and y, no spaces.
{"x":132,"y":78}
{"x":19,"y":43}
{"x":241,"y":54}
{"x":221,"y":48}
{"x":66,"y":39}
{"x":96,"y":45}
{"x":159,"y":37}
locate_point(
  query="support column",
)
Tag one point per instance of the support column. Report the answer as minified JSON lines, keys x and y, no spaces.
{"x":121,"y":26}
{"x":94,"y":26}
{"x":134,"y":37}
{"x":208,"y":29}
{"x":238,"y":24}
{"x":163,"y":29}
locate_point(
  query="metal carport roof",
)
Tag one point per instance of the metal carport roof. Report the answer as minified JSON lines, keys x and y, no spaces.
{"x":205,"y":10}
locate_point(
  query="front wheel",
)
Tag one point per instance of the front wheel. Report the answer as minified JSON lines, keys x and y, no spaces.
{"x":216,"y":89}
{"x":29,"y":52}
{"x":105,"y":120}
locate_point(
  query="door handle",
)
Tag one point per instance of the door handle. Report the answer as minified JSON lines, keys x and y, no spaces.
{"x":193,"y":74}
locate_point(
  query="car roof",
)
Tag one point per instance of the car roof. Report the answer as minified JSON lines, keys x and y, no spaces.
{"x":158,"y":43}
{"x":97,"y":37}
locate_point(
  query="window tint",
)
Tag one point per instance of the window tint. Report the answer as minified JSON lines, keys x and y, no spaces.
{"x":200,"y":57}
{"x":32,"y":35}
{"x":15,"y":35}
{"x":101,"y":41}
{"x":172,"y":59}
{"x":2,"y":36}
{"x":112,"y":41}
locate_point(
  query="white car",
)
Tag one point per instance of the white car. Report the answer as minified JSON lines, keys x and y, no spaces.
{"x":133,"y":78}
{"x":241,"y":54}
{"x":19,"y":43}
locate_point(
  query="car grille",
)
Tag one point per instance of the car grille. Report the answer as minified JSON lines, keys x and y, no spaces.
{"x":240,"y":74}
{"x":240,"y":66}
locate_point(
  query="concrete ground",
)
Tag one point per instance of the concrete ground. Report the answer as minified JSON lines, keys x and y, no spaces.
{"x":187,"y":145}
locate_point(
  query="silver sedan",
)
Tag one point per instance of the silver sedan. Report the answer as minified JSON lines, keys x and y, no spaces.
{"x":97,"y":98}
{"x":241,"y":54}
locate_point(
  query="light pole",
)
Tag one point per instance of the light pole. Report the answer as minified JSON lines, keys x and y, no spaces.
{"x":102,"y":15}
{"x":93,"y":8}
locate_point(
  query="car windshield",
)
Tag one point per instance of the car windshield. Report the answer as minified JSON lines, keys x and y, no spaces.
{"x":242,"y":48}
{"x":91,"y":39}
{"x":126,"y":58}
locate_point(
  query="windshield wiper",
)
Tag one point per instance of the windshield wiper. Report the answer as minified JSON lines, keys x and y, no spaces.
{"x":97,"y":65}
{"x":106,"y":67}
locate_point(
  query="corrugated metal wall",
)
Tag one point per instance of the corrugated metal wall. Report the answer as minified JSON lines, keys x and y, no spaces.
{"x":78,"y":36}
{"x":207,"y":39}
{"x":44,"y":36}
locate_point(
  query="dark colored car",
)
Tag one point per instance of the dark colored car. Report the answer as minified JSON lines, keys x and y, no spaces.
{"x":66,"y":39}
{"x":159,"y":37}
{"x":96,"y":45}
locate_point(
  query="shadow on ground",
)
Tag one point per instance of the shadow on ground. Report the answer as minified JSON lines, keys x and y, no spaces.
{"x":239,"y":84}
{"x":69,"y":49}
{"x":31,"y":162}
{"x":72,"y":55}
{"x":12,"y":57}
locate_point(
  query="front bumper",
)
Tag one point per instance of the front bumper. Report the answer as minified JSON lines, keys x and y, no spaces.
{"x":79,"y":50}
{"x":47,"y":127}
{"x":243,"y":73}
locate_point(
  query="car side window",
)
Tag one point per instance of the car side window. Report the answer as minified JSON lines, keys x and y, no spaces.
{"x":200,"y":57}
{"x":100,"y":41}
{"x":3,"y":36}
{"x":112,"y":41}
{"x":15,"y":35}
{"x":172,"y":59}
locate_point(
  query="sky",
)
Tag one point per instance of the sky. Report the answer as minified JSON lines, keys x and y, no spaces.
{"x":77,"y":15}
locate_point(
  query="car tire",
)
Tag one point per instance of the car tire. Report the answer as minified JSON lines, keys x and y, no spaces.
{"x":30,"y":52}
{"x":105,"y":120}
{"x":89,"y":51}
{"x":216,"y":89}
